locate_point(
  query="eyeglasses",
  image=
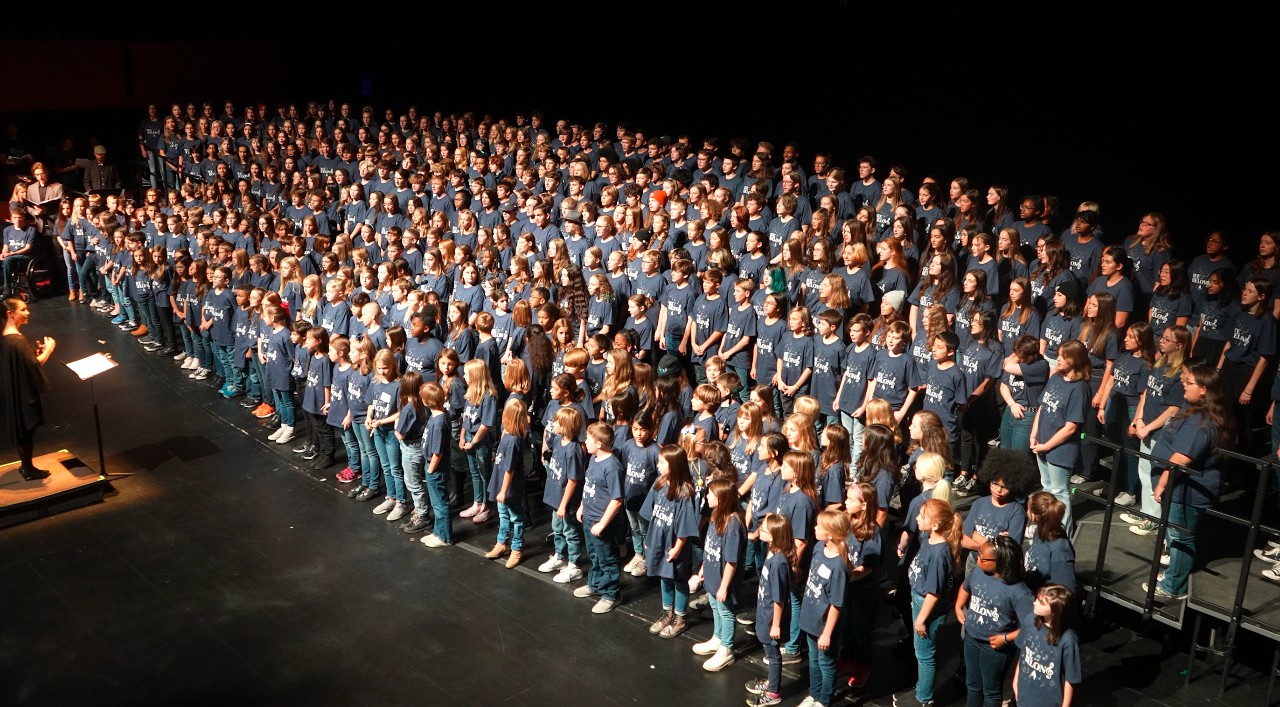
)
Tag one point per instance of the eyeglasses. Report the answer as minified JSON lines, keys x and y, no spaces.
{"x":1168,"y":340}
{"x":998,"y":485}
{"x":1147,"y":223}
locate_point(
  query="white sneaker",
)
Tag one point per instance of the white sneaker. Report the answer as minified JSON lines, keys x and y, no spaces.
{"x":1164,"y":560}
{"x":433,"y":540}
{"x":384,"y":507}
{"x":1271,"y":554}
{"x":721,"y":660}
{"x":1272,"y":574}
{"x":180,"y":356}
{"x":707,"y":647}
{"x":1125,"y":499}
{"x":276,"y":435}
{"x":286,"y":435}
{"x":640,"y":569}
{"x":472,"y":510}
{"x":552,"y":564}
{"x":397,"y":511}
{"x":1131,"y":519}
{"x":201,"y":374}
{"x":568,"y":573}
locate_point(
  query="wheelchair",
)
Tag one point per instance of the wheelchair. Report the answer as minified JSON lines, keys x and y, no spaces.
{"x":32,"y":282}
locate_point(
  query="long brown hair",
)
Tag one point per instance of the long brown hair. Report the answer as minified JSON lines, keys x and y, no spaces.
{"x":726,"y":493}
{"x":781,"y":539}
{"x":678,"y":481}
{"x":802,"y":464}
{"x":836,"y":525}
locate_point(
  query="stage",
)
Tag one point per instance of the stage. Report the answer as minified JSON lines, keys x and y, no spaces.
{"x":221,"y":571}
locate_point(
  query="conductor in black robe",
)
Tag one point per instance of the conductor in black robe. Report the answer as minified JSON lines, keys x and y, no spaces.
{"x":22,"y":381}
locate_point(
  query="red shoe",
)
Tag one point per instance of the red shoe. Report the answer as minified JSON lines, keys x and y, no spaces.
{"x":859,"y":676}
{"x":347,"y":476}
{"x":264,"y":411}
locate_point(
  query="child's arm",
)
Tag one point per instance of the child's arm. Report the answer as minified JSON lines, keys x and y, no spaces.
{"x":506,"y":485}
{"x":926,"y":608}
{"x":775,"y":626}
{"x":661,"y":330}
{"x":906,"y":404}
{"x":745,"y":488}
{"x":833,"y":618}
{"x":327,"y":391}
{"x":676,"y":548}
{"x":962,"y":600}
{"x":569,"y":487}
{"x":609,"y":512}
{"x":722,"y":593}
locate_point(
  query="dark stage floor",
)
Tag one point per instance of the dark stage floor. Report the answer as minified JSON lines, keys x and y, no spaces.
{"x":221,"y":572}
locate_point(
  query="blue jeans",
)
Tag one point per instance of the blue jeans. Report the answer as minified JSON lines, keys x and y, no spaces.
{"x":14,"y":264}
{"x":284,"y":407}
{"x":822,"y":668}
{"x":796,"y":640}
{"x":388,"y":448}
{"x":150,"y":319}
{"x":511,"y":523}
{"x":1057,"y":481}
{"x":773,"y":656}
{"x":639,"y":529}
{"x":1119,"y":415}
{"x":188,"y":337}
{"x":73,"y":280}
{"x":351,"y":442}
{"x":370,"y":464}
{"x":480,"y":464}
{"x":722,"y":619}
{"x":413,"y":472}
{"x":606,"y":571}
{"x":1015,"y":433}
{"x":231,"y":372}
{"x":1182,"y":546}
{"x":926,"y":647}
{"x":204,"y":349}
{"x":856,"y":430}
{"x":255,"y":375}
{"x":87,"y":272}
{"x":566,"y":537}
{"x":985,"y":668}
{"x":437,"y":491}
{"x":675,"y":595}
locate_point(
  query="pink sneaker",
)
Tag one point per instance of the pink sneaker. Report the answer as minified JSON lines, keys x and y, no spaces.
{"x":347,"y":476}
{"x":471,"y":511}
{"x":485,"y":514}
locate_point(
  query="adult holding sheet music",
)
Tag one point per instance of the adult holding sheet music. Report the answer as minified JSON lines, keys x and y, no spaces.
{"x":43,"y":197}
{"x":22,"y":382}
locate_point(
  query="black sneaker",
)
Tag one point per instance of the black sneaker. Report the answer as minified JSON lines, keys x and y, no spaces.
{"x":368,"y":495}
{"x":417,"y":523}
{"x":789,"y":658}
{"x":250,"y":403}
{"x":322,"y":463}
{"x":312,"y":453}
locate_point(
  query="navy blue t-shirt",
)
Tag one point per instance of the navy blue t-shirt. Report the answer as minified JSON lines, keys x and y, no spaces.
{"x":1063,"y":401}
{"x":603,"y":484}
{"x":994,"y":607}
{"x":568,"y":462}
{"x":1051,"y":562}
{"x":824,"y":588}
{"x":774,"y":588}
{"x":1042,"y":668}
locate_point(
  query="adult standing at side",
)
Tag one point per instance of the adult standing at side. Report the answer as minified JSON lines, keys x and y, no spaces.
{"x":22,"y":382}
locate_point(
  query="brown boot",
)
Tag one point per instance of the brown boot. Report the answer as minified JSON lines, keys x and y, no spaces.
{"x":661,"y":624}
{"x":514,"y":559}
{"x":140,"y":331}
{"x":499,"y":550}
{"x":73,"y":295}
{"x":675,"y":628}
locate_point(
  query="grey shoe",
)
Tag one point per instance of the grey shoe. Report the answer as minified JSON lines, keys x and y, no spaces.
{"x":604,"y":606}
{"x":397,"y":511}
